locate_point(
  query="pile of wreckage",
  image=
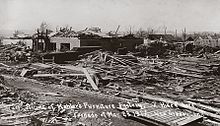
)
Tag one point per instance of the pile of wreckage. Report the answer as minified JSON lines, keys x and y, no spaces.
{"x":17,"y":53}
{"x":181,"y":80}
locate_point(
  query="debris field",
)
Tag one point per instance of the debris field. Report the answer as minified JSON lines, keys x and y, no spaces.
{"x":34,"y":93}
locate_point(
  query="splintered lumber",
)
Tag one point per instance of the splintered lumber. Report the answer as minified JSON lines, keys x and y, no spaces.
{"x":181,"y":87}
{"x":205,"y":107}
{"x":73,"y":68}
{"x":105,"y":57}
{"x":7,"y":105}
{"x":210,"y":65}
{"x":190,"y":83}
{"x":193,"y":70}
{"x":5,"y":65}
{"x":117,"y":60}
{"x":89,"y":78}
{"x":185,"y":74}
{"x":55,"y":75}
{"x":127,"y":61}
{"x":40,"y":66}
{"x":175,"y":103}
{"x":214,"y":123}
{"x":14,"y":123}
{"x":24,"y":72}
{"x":185,"y":120}
{"x":213,"y":102}
{"x":93,"y":59}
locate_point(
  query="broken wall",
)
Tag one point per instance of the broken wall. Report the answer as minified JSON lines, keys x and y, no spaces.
{"x":74,"y":42}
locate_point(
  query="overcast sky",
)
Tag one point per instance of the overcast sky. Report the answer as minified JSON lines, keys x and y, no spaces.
{"x":195,"y":15}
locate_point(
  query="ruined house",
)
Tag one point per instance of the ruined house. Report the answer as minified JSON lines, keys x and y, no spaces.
{"x":67,"y":39}
{"x":210,"y":41}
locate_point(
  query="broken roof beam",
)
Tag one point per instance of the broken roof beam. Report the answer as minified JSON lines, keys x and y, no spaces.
{"x":112,"y":57}
{"x":89,"y":78}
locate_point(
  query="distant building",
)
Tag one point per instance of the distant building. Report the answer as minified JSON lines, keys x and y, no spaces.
{"x":27,"y":42}
{"x":18,"y":38}
{"x":162,"y":37}
{"x":63,"y":41}
{"x":66,"y":39}
{"x":211,"y":41}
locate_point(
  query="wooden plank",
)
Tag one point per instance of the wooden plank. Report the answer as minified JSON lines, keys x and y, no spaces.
{"x":205,"y":107}
{"x":127,"y":61}
{"x":89,"y":78}
{"x":172,"y":102}
{"x":105,"y":57}
{"x":40,"y":65}
{"x":14,"y":123}
{"x":24,"y":72}
{"x":185,"y":74}
{"x":112,"y":57}
{"x":182,"y":86}
{"x":186,"y":120}
{"x":74,"y":68}
{"x":212,"y":122}
{"x":162,"y":119}
{"x":7,"y":105}
{"x":174,"y":122}
{"x":146,"y":121}
{"x":141,"y":119}
{"x":93,"y":59}
{"x":189,"y":120}
{"x":192,"y":69}
{"x":213,"y":102}
{"x":190,"y":83}
{"x":55,"y":75}
{"x":5,"y":65}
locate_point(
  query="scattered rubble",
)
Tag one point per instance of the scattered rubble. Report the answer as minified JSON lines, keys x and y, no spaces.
{"x":181,"y":80}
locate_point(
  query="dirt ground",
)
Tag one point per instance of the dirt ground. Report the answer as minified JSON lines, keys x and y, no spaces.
{"x":45,"y":93}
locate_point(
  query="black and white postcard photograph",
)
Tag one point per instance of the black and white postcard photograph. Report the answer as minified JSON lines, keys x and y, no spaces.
{"x":109,"y":62}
